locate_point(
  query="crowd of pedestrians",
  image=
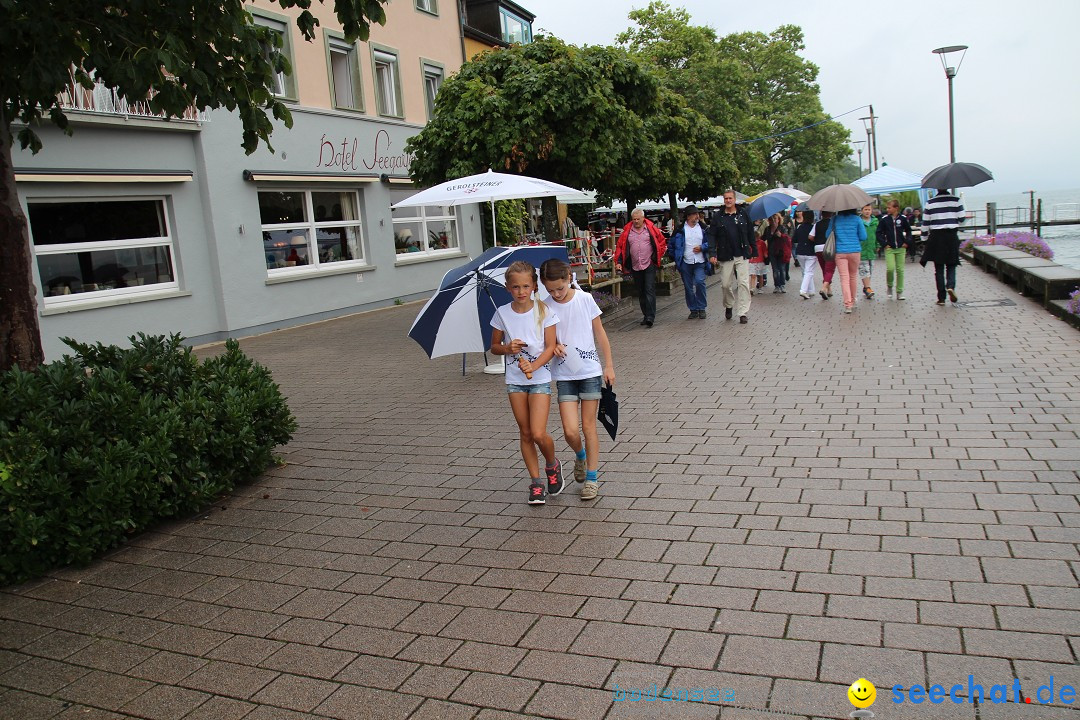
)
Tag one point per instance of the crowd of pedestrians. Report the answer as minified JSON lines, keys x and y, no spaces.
{"x":745,"y":255}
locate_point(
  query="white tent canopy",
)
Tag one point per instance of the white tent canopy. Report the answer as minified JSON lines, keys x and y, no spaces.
{"x":889,"y":179}
{"x":664,"y":205}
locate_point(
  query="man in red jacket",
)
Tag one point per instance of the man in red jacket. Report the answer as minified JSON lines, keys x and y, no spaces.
{"x":641,"y":245}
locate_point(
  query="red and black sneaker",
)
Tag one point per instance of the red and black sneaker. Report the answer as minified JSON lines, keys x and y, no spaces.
{"x":554,"y":478}
{"x":537,"y":496}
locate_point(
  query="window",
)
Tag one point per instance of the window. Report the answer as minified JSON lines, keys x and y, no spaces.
{"x":101,"y":248}
{"x":344,"y":73}
{"x":428,"y":229}
{"x":387,"y":86}
{"x":515,"y":29}
{"x":309,"y":229}
{"x":428,"y":6}
{"x":433,"y":77}
{"x":284,"y":85}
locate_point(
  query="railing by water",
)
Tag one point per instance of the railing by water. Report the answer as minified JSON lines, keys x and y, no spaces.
{"x":1033,"y":218}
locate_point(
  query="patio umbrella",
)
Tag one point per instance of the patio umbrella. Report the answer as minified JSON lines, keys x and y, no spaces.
{"x":795,"y":194}
{"x":769,"y":204}
{"x":489,"y":186}
{"x":839,"y":197}
{"x":954,"y":175}
{"x":457,"y":318}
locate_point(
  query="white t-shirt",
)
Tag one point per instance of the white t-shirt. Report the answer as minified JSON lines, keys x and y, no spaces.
{"x":693,"y":236}
{"x":576,"y":333}
{"x":522,"y":326}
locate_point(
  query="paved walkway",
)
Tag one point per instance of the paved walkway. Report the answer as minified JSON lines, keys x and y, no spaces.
{"x":791,"y":505}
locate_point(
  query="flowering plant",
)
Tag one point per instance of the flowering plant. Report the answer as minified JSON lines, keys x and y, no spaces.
{"x":1024,"y":241}
{"x":1073,"y":306}
{"x":604,"y":300}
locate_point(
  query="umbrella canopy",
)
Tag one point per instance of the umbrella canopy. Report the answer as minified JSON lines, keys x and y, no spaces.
{"x":769,"y":204}
{"x":839,"y":197}
{"x":489,"y":187}
{"x":457,"y":318}
{"x":791,"y":192}
{"x":954,"y":175}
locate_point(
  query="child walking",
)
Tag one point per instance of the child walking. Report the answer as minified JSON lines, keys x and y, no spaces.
{"x":524,"y":331}
{"x":577,"y":372}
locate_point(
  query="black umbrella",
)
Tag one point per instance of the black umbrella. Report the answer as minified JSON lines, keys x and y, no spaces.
{"x":608,"y":412}
{"x":954,"y":175}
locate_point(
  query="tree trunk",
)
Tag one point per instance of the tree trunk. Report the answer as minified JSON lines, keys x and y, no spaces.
{"x":20,"y":337}
{"x":673,"y":204}
{"x":549,"y":208}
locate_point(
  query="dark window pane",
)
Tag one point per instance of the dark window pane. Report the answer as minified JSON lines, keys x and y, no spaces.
{"x":95,"y":221}
{"x":73,"y":273}
{"x":276,"y":208}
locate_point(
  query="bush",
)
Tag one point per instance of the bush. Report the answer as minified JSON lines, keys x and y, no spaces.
{"x":101,"y":445}
{"x":1025,"y":241}
{"x":1073,"y":306}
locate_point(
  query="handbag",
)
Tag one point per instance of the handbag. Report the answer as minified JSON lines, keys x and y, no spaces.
{"x":608,"y":410}
{"x":828,"y":253}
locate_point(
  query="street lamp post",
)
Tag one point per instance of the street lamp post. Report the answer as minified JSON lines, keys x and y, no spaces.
{"x":950,"y":73}
{"x":858,"y":148}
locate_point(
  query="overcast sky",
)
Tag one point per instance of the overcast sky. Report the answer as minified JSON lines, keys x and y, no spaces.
{"x":1016,"y":95}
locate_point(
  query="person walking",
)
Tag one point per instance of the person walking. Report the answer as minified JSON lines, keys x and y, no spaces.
{"x":641,"y":245}
{"x":804,"y":249}
{"x":894,"y":235}
{"x":779,"y":246}
{"x":869,"y":249}
{"x":942,"y":216}
{"x":733,"y":246}
{"x":850,"y":233}
{"x":828,"y":266}
{"x":759,"y":261}
{"x":689,"y":248}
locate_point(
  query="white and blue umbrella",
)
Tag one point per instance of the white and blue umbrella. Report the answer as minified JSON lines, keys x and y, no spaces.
{"x":769,"y":204}
{"x":457,"y":318}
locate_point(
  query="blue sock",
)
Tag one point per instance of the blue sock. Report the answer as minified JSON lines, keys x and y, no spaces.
{"x":580,"y":454}
{"x":590,"y":476}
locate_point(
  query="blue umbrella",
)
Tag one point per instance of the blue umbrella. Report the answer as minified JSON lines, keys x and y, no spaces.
{"x":457,"y":318}
{"x":769,"y":204}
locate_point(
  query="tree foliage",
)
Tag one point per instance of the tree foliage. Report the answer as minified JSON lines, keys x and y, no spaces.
{"x":176,"y":54}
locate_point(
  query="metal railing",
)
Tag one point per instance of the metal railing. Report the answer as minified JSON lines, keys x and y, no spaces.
{"x":105,"y":101}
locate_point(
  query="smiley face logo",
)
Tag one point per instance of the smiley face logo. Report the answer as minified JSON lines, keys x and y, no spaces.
{"x":862,"y":693}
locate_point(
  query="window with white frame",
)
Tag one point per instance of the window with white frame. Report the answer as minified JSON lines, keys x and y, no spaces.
{"x":433,"y":77}
{"x":515,"y":29}
{"x":387,"y":83}
{"x":428,"y":6}
{"x":428,"y":229}
{"x":344,"y":74}
{"x":283,"y":86}
{"x":309,"y":229}
{"x":91,"y":248}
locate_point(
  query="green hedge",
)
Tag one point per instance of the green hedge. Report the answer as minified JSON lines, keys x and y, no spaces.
{"x":103,"y":444}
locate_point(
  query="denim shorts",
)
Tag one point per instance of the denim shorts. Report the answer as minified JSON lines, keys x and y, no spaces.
{"x":574,"y":390}
{"x":537,"y":389}
{"x":865,"y":267}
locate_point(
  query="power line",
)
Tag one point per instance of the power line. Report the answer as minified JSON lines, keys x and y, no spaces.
{"x":806,"y":127}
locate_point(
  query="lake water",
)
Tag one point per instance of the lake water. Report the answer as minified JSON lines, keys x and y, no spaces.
{"x":1057,"y":204}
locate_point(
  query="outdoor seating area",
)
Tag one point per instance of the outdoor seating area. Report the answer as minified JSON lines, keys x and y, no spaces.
{"x":1045,"y":280}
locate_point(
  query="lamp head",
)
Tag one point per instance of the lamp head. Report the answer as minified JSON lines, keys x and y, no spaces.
{"x":950,"y":71}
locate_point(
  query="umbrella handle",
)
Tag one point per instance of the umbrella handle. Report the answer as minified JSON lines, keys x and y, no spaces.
{"x":528,"y":375}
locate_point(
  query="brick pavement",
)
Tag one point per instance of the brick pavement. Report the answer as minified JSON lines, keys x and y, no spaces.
{"x":791,"y":504}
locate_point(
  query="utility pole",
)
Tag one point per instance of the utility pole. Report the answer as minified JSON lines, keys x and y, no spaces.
{"x":1031,"y":211}
{"x":873,"y":136}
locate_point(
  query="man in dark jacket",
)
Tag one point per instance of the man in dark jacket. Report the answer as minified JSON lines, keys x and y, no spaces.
{"x":733,"y":245}
{"x":641,"y":245}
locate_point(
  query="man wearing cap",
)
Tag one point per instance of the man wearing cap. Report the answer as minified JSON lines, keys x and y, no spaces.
{"x":733,"y":246}
{"x":641,"y":245}
{"x":689,"y":247}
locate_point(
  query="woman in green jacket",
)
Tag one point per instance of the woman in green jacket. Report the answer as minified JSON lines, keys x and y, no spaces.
{"x":869,"y":247}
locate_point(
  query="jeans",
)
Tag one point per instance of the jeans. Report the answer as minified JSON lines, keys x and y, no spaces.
{"x":945,"y":277}
{"x":645,"y":282}
{"x":735,"y":279}
{"x":848,"y":266}
{"x":807,"y":263}
{"x":894,"y":266}
{"x":779,"y":272}
{"x":693,"y":278}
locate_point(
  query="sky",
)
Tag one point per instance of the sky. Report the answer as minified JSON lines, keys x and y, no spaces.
{"x":1016,"y":96}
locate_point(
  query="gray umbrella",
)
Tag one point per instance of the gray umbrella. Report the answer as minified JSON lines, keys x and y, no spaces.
{"x":954,"y":175}
{"x":839,"y":197}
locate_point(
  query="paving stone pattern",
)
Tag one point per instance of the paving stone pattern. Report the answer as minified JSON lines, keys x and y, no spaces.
{"x":791,"y":504}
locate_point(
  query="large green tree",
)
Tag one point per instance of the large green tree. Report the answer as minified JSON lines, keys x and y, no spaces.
{"x":572,"y":115}
{"x":179,"y":54}
{"x":782,"y":96}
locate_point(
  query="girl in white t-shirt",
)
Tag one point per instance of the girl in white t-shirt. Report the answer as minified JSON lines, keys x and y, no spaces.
{"x":577,"y":369}
{"x":530,"y":326}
